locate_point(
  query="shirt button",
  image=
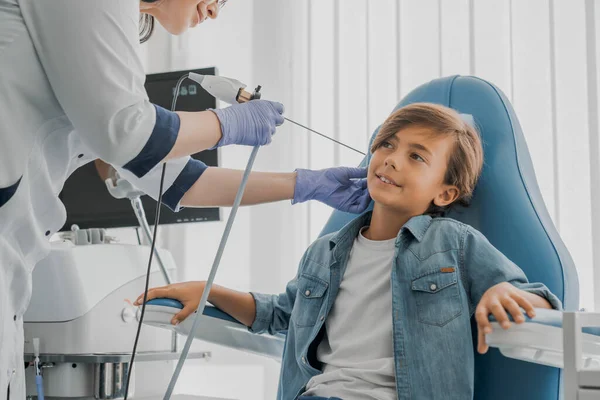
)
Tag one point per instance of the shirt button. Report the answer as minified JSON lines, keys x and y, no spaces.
{"x":303,"y":360}
{"x":80,"y":156}
{"x":322,"y":318}
{"x":47,"y":233}
{"x":433,"y":287}
{"x":307,"y":293}
{"x":14,"y":317}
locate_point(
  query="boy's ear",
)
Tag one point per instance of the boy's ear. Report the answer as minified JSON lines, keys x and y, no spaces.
{"x":447,"y":196}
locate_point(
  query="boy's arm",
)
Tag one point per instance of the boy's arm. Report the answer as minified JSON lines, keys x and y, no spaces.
{"x":496,"y":286}
{"x":273,"y":312}
{"x":259,"y":312}
{"x":485,"y":266}
{"x":237,"y":304}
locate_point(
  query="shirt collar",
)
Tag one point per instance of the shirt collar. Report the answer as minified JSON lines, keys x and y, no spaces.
{"x":417,"y":226}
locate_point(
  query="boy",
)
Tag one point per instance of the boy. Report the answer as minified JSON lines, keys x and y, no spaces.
{"x":381,"y":309}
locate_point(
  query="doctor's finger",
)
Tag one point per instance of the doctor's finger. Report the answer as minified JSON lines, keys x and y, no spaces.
{"x":279,"y":108}
{"x":357,"y":173}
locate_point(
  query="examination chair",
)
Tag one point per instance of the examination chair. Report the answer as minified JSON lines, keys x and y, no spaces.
{"x":507,"y":208}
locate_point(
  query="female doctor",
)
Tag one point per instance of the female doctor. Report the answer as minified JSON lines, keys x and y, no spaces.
{"x":71,"y":91}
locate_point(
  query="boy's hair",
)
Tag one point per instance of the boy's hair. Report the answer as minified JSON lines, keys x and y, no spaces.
{"x":466,"y":158}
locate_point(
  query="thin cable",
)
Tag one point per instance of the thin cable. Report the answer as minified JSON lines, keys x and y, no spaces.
{"x":138,"y":208}
{"x":213,"y":272}
{"x":139,"y":328}
{"x":157,"y":219}
{"x":326,"y":137}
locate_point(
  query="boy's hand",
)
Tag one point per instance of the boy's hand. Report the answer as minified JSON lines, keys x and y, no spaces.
{"x":188,"y":293}
{"x":497,"y":300}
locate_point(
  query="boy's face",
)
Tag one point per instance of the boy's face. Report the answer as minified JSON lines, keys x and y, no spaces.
{"x":407,"y":172}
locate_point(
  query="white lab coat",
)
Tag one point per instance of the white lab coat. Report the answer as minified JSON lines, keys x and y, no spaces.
{"x":71,"y":90}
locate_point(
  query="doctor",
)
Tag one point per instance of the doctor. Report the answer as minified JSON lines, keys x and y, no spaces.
{"x":71,"y":91}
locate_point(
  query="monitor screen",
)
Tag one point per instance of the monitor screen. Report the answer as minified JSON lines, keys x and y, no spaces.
{"x":88,"y":203}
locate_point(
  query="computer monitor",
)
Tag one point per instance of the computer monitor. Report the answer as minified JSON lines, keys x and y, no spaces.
{"x":88,"y":203}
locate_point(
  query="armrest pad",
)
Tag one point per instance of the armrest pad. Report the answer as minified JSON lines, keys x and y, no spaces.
{"x":209,"y":311}
{"x":544,"y":316}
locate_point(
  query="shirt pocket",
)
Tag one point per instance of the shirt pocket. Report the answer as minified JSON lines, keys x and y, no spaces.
{"x":309,"y":299}
{"x":437,"y":296}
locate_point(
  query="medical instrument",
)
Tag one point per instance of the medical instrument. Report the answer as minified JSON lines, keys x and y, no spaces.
{"x":232,"y":91}
{"x":326,"y":137}
{"x":120,"y":188}
{"x":39,"y":382}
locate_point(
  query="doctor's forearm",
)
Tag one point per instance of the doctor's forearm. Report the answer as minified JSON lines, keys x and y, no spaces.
{"x":198,"y":131}
{"x":217,"y":187}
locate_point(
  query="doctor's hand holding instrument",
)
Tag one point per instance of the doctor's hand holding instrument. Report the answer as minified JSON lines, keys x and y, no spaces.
{"x":343,"y":188}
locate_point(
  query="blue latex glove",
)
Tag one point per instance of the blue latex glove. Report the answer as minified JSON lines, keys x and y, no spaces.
{"x":250,"y":124}
{"x":342,"y":188}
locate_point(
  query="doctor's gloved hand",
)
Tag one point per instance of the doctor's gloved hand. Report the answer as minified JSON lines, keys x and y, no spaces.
{"x":188,"y":293}
{"x":250,"y":124}
{"x":342,"y":188}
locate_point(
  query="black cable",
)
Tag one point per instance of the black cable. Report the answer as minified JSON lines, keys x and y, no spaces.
{"x":158,"y":207}
{"x":139,"y":328}
{"x":325,"y":136}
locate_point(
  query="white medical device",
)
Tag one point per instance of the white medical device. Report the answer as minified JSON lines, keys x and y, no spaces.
{"x":85,"y":323}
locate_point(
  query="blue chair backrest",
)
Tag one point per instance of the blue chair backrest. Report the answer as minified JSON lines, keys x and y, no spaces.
{"x":507,"y":207}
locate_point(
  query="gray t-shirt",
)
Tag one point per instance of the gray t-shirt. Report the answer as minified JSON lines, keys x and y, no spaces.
{"x":357,"y":351}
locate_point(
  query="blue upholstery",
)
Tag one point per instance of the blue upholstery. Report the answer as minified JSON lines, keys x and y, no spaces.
{"x":209,"y":311}
{"x":508,"y":209}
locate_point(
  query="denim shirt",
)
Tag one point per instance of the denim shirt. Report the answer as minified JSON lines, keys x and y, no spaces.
{"x":440,"y":271}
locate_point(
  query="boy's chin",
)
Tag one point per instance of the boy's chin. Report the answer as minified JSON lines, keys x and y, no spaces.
{"x":384,"y":201}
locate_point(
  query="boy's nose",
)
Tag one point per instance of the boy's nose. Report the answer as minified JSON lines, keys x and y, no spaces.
{"x":390,"y":162}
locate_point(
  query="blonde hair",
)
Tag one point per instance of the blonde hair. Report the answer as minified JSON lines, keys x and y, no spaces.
{"x":466,"y":158}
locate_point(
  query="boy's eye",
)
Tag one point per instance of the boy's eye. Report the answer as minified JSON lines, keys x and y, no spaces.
{"x":386,"y":144}
{"x":417,"y":157}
